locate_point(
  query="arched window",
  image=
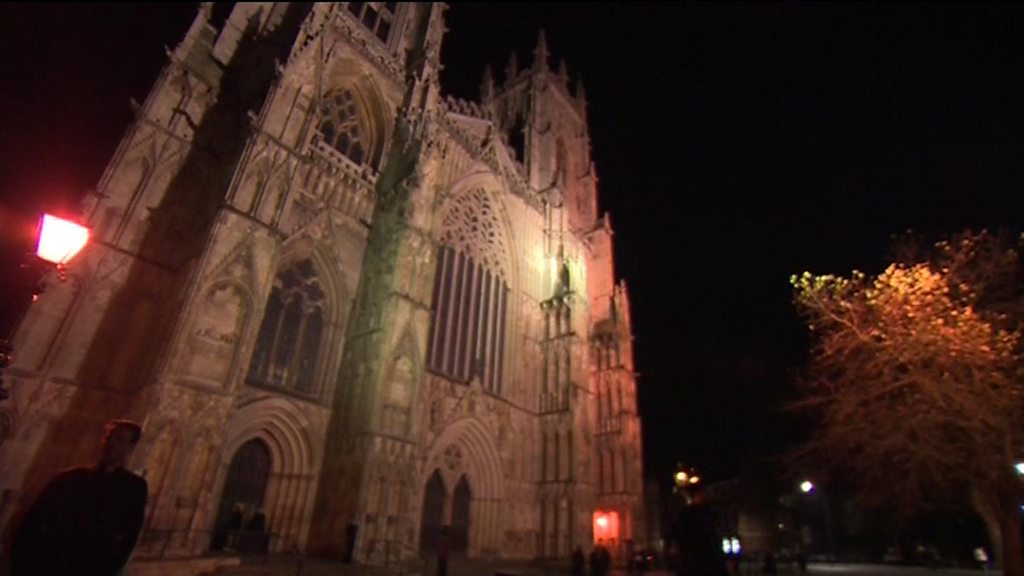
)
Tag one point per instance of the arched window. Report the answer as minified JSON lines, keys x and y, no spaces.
{"x":470,"y":298}
{"x":341,"y":127}
{"x":288,"y":345}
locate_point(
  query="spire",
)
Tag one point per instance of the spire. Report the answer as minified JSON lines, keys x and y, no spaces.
{"x":512,"y":70}
{"x":563,"y":73}
{"x":581,"y":94}
{"x":487,"y":85}
{"x":562,"y":283}
{"x":540,"y":53}
{"x":202,"y":18}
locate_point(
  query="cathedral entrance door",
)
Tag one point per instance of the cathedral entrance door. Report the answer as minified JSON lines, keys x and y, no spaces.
{"x":433,"y":513}
{"x":460,"y":516}
{"x":244,"y":489}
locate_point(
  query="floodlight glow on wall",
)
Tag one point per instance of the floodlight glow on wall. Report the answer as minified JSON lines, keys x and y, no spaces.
{"x":606,"y":525}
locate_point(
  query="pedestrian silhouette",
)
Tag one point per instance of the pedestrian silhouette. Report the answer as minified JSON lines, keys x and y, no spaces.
{"x":442,"y":552}
{"x":604,"y":560}
{"x":87,"y":519}
{"x":578,"y":563}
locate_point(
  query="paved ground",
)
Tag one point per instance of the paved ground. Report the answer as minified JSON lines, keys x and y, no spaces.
{"x":281,"y":566}
{"x":880,"y":570}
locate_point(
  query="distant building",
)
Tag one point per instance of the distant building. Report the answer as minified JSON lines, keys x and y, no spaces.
{"x":336,"y":295}
{"x":742,"y":514}
{"x":654,"y":506}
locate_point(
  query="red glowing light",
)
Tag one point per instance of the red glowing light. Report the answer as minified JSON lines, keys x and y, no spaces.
{"x":606,"y":525}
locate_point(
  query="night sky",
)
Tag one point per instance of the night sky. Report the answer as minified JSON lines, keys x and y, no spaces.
{"x":735,"y":144}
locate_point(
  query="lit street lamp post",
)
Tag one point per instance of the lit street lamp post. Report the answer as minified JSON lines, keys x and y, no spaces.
{"x":58,"y":241}
{"x":808,"y":487}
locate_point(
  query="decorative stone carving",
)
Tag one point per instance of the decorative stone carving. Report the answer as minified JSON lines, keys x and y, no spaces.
{"x":471,"y":223}
{"x":452,"y":458}
{"x":212,"y":342}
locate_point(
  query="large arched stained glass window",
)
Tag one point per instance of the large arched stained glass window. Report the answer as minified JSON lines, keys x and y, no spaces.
{"x":467,"y":335}
{"x":340,"y":125}
{"x":288,"y":345}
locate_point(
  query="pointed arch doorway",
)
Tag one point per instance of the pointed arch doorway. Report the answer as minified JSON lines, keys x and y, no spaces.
{"x":461,"y":499}
{"x":244,"y":488}
{"x":436,"y":502}
{"x":433,"y":513}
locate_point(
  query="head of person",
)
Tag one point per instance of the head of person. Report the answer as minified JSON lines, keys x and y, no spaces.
{"x":119,"y":439}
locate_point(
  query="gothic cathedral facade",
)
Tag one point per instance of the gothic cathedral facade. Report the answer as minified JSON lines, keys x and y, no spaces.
{"x":334,"y":295}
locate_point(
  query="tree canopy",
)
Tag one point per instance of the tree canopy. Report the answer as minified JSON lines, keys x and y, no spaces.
{"x":914,"y":380}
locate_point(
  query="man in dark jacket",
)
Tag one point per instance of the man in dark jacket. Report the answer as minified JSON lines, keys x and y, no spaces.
{"x":87,"y":519}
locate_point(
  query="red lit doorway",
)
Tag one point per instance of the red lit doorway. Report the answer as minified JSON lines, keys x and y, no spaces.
{"x":606,"y":527}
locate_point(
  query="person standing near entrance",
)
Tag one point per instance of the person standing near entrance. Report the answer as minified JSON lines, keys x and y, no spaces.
{"x":578,"y":564}
{"x":87,"y":519}
{"x":442,"y":552}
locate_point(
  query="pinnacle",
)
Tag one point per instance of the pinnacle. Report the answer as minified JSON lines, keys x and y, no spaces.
{"x":540,"y":53}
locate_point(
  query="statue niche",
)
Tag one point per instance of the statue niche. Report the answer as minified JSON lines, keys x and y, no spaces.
{"x":209,"y":352}
{"x":399,"y":397}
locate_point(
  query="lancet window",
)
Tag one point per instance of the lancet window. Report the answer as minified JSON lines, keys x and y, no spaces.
{"x":467,"y":335}
{"x":287,"y":349}
{"x":378,"y":17}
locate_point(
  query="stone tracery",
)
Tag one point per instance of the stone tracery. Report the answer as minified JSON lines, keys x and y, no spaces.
{"x":471,"y":224}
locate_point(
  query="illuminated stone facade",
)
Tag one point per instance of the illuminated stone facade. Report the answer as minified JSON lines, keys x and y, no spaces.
{"x":332,"y":293}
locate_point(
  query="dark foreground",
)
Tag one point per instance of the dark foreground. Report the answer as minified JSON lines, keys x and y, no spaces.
{"x":291,"y":566}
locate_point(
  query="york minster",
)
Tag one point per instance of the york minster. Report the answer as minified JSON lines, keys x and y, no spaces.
{"x":339,"y":298}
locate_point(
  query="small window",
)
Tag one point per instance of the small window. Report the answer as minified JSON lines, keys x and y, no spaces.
{"x":376,"y":16}
{"x":340,"y":125}
{"x":287,"y":348}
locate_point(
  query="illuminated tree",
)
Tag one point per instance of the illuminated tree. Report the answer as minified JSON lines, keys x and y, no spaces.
{"x":914,"y":381}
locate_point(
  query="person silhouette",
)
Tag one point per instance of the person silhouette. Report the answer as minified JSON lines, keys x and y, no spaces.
{"x":87,"y":519}
{"x":442,"y":552}
{"x":578,"y":562}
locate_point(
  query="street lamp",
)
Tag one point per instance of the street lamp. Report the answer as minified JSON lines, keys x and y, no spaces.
{"x":58,"y":241}
{"x":808,"y":487}
{"x":685,"y":478}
